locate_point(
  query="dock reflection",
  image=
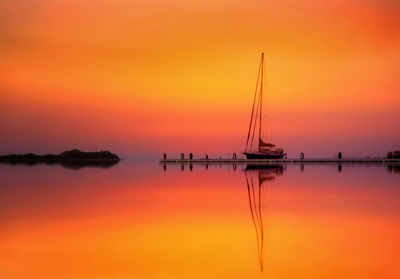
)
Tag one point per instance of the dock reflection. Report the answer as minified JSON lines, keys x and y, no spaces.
{"x":257,"y":179}
{"x":392,"y":167}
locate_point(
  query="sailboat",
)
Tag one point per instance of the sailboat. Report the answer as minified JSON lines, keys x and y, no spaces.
{"x":265,"y":150}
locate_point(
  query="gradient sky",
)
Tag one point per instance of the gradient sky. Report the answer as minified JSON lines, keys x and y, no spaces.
{"x":146,"y":77}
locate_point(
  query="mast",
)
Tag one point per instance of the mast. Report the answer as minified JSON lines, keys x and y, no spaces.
{"x":261,"y":91}
{"x":258,"y":99}
{"x":252,"y":110}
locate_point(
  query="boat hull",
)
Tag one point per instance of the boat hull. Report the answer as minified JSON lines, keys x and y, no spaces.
{"x":260,"y":155}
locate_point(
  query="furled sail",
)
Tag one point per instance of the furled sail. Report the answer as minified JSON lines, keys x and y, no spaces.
{"x":264,"y":145}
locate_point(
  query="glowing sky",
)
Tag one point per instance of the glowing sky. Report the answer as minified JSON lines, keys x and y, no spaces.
{"x":139,"y":77}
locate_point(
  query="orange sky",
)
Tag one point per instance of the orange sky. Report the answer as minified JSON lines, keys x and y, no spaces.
{"x":152,"y":76}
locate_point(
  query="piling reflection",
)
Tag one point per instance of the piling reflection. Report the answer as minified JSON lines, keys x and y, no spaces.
{"x":257,"y":178}
{"x":395,"y":168}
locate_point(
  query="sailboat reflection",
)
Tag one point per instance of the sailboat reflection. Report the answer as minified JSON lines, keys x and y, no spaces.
{"x":265,"y":173}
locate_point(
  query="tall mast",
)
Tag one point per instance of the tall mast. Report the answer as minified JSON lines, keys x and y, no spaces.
{"x":261,"y":91}
{"x":252,"y":110}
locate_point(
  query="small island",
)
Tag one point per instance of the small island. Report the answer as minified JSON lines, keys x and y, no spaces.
{"x":74,"y":159}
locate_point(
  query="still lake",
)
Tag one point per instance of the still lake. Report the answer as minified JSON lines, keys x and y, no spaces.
{"x":202,"y":221}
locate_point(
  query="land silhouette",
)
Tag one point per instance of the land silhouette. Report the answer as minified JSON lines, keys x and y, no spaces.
{"x":74,"y":159}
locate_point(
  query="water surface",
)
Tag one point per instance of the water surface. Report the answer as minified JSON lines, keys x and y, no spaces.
{"x":200,"y":221}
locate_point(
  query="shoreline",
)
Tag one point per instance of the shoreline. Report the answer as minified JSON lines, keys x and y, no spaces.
{"x":74,"y":159}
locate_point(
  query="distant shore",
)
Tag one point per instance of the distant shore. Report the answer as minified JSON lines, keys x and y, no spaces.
{"x":70,"y":159}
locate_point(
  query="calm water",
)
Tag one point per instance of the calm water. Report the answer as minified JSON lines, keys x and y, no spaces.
{"x":216,"y":221}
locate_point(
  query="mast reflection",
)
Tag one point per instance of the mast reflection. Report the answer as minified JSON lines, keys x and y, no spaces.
{"x":259,"y":174}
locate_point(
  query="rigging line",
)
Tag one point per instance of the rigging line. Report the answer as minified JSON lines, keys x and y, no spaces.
{"x":259,"y":106}
{"x":252,"y":110}
{"x":254,"y":199}
{"x":267,"y":206}
{"x":257,"y":222}
{"x":261,"y":224}
{"x":266,"y":99}
{"x":252,"y":214}
{"x":255,"y":123}
{"x":261,"y":92}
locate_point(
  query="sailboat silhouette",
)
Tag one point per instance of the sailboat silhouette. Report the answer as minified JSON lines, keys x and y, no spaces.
{"x":265,"y":150}
{"x":261,"y":174}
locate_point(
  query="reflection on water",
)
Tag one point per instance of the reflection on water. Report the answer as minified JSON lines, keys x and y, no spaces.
{"x":261,"y":174}
{"x":73,"y":164}
{"x":393,"y":168}
{"x":390,"y":166}
{"x":193,"y":221}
